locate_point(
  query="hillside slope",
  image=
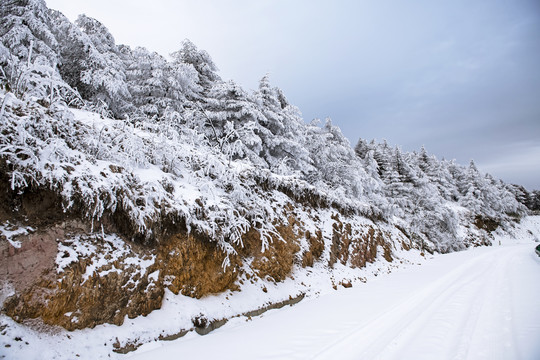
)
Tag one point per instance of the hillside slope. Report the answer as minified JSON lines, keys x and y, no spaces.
{"x":127,"y":178}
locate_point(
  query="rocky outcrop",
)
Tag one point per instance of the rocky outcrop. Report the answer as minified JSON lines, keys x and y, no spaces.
{"x":67,"y":274}
{"x":359,"y":246}
{"x":103,"y":282}
{"x":194,"y":267}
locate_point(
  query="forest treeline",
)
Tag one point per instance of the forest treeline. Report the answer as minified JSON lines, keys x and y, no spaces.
{"x":218,"y":155}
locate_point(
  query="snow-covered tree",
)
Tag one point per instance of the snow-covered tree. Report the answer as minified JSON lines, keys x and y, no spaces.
{"x":91,"y":63}
{"x":206,"y":70}
{"x":382,"y":156}
{"x":147,"y":81}
{"x":232,"y":121}
{"x":25,"y":28}
{"x":362,"y":148}
{"x":334,"y":159}
{"x":183,"y":80}
{"x":281,"y":130}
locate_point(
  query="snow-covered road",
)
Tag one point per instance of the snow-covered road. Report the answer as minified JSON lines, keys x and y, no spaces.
{"x":478,"y":304}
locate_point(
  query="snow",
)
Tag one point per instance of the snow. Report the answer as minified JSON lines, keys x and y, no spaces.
{"x":70,"y":251}
{"x":11,"y":231}
{"x":476,"y":304}
{"x":111,"y":250}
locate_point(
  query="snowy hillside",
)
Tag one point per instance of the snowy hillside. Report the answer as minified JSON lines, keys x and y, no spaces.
{"x":131,"y":182}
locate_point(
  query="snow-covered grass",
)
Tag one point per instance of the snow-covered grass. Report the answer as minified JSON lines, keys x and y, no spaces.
{"x":474,"y":304}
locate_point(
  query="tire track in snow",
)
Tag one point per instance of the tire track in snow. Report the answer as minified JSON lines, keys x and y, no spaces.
{"x":491,"y":309}
{"x":479,"y":304}
{"x":462,"y":292}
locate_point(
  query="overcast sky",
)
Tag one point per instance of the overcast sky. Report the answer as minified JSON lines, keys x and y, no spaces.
{"x":461,"y":77}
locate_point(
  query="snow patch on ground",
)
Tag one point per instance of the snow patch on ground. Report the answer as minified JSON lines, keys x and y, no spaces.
{"x":11,"y":231}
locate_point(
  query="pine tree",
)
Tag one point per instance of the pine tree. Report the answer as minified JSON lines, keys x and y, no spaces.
{"x":405,"y":171}
{"x":382,"y":156}
{"x":206,"y":70}
{"x":146,"y":76}
{"x":183,"y":81}
{"x":25,"y":25}
{"x":362,"y":148}
{"x":335,"y":160}
{"x":281,"y":130}
{"x":471,"y":189}
{"x":91,"y":63}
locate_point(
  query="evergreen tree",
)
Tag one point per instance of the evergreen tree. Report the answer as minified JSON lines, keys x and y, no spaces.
{"x":382,"y":156}
{"x":471,"y":186}
{"x":25,"y":27}
{"x":232,"y":122}
{"x":281,"y":130}
{"x":147,"y":81}
{"x":206,"y":70}
{"x":91,"y":63}
{"x":402,"y":167}
{"x":362,"y":148}
{"x":335,"y":160}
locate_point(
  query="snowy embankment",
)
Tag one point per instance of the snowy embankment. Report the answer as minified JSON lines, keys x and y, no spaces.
{"x":476,"y":304}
